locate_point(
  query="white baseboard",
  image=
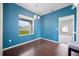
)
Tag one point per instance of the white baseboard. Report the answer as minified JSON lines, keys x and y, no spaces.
{"x":50,"y":40}
{"x":21,"y":44}
{"x":29,"y":42}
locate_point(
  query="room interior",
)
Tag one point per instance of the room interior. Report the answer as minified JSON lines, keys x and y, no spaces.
{"x":33,"y":29}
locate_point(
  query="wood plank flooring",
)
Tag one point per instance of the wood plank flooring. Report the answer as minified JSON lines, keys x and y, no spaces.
{"x":38,"y":48}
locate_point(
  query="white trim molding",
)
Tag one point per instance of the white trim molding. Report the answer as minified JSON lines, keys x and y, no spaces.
{"x":77,"y":24}
{"x":69,"y":17}
{"x":29,"y":42}
{"x":50,"y":40}
{"x":21,"y":44}
{"x":1,"y":29}
{"x":27,"y":18}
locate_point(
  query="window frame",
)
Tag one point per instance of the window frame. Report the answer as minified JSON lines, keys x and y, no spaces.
{"x":26,"y":18}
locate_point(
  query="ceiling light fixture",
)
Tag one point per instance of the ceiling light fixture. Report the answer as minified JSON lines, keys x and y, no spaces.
{"x":36,"y":17}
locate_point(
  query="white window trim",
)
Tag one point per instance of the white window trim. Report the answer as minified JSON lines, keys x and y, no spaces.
{"x":29,"y":18}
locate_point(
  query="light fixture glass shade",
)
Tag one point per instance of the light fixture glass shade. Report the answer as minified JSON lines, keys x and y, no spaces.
{"x":35,"y":16}
{"x":38,"y":17}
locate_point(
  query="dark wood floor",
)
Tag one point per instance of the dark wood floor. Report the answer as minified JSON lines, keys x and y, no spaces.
{"x":38,"y":48}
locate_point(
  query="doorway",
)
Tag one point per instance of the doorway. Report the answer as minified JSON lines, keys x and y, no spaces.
{"x":66,"y":29}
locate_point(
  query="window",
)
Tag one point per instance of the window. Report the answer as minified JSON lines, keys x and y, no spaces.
{"x":65,"y":28}
{"x":26,"y":26}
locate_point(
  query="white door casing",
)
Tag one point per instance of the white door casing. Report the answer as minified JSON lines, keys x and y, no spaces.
{"x":66,"y":18}
{"x":77,"y":33}
{"x":1,"y":28}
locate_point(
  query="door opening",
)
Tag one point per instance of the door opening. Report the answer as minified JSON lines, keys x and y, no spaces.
{"x":66,"y":29}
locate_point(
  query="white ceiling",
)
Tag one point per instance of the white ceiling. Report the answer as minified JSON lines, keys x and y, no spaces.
{"x":43,"y":8}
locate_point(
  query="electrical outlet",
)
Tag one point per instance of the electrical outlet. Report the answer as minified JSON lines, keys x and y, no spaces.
{"x":10,"y":40}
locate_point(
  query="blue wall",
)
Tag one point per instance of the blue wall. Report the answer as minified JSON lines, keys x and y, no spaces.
{"x":49,"y":22}
{"x":10,"y":25}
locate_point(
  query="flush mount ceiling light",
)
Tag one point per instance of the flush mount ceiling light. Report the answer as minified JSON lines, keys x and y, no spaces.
{"x":36,"y":17}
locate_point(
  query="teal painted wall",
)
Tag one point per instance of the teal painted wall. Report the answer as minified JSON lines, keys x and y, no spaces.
{"x":50,"y":22}
{"x":10,"y":25}
{"x":44,"y":27}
